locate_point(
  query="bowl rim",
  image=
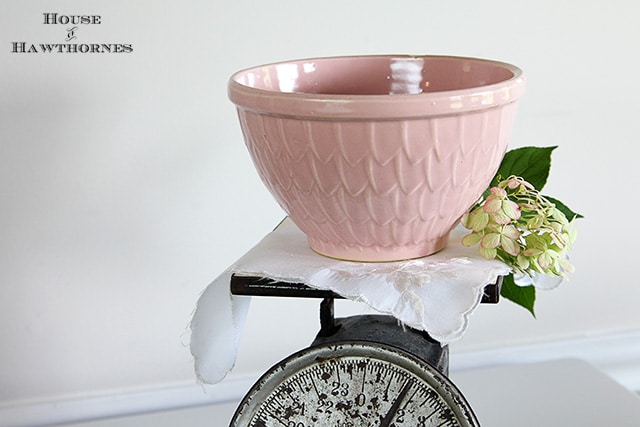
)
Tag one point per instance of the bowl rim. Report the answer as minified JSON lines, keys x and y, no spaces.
{"x":376,"y":106}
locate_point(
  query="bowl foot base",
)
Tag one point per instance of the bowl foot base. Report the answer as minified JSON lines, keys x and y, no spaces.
{"x":378,"y":253}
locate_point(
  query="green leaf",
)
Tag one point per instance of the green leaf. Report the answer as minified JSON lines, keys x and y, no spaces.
{"x":524,"y":296}
{"x":564,"y":209}
{"x":530,"y":163}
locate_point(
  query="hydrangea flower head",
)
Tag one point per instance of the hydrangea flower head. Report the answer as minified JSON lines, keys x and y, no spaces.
{"x":520,"y":227}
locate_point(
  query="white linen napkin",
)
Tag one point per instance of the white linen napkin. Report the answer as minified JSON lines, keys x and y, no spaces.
{"x":435,"y":294}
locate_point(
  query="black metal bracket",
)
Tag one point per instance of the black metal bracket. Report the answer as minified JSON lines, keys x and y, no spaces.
{"x":266,"y":287}
{"x":327,"y":319}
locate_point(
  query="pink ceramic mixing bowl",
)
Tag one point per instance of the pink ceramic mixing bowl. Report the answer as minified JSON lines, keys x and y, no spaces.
{"x":376,"y":158}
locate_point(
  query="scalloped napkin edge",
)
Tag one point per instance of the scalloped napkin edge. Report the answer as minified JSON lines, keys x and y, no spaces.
{"x":436,"y":294}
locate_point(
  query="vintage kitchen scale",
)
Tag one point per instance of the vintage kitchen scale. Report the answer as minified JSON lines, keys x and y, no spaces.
{"x":364,"y":370}
{"x":375,"y":158}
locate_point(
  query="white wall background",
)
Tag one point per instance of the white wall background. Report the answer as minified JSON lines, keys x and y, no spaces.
{"x":125,"y":187}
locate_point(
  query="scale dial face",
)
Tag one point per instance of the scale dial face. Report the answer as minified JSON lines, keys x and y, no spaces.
{"x":352,"y":384}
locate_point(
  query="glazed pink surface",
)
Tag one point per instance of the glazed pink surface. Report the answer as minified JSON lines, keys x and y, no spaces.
{"x":375,"y":158}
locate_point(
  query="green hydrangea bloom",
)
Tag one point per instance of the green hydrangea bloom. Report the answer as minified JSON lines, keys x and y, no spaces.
{"x":520,"y":227}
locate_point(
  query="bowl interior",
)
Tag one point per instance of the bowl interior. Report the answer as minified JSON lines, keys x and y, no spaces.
{"x":376,"y":75}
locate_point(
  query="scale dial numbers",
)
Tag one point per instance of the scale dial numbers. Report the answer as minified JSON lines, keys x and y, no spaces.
{"x":351,"y":385}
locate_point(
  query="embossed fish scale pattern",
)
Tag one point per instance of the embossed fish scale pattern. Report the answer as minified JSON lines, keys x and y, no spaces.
{"x":351,"y":183}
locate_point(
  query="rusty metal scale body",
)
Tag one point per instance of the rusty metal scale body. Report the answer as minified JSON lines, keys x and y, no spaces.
{"x":365,"y":370}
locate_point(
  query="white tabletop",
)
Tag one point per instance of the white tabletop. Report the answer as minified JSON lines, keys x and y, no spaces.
{"x":557,"y":393}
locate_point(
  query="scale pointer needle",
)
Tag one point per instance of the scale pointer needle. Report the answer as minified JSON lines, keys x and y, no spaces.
{"x":386,"y":421}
